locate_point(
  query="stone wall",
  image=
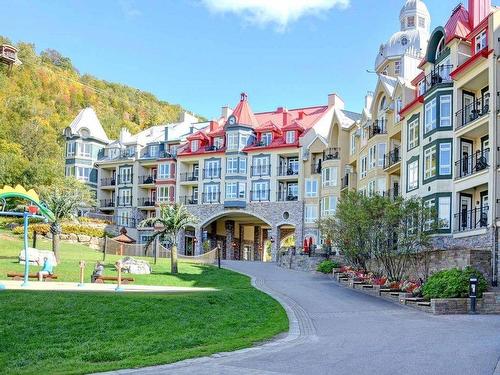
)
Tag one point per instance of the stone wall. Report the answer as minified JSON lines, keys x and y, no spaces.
{"x":95,"y":243}
{"x":303,"y":262}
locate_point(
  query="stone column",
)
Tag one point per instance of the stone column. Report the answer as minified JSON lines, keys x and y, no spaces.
{"x":229,"y":239}
{"x":274,"y":233}
{"x":299,"y":236}
{"x":257,"y":231}
{"x":181,"y":242}
{"x":198,"y":233}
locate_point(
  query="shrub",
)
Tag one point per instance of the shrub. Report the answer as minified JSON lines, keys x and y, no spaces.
{"x":327,"y":266}
{"x":43,"y":229}
{"x":453,"y":283}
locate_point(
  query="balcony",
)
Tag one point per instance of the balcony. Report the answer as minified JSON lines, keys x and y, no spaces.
{"x":125,"y":179}
{"x":147,"y":180}
{"x":260,"y":195}
{"x":125,"y":201}
{"x":213,"y":148}
{"x":211,"y":198}
{"x":261,"y":170}
{"x":167,"y":155}
{"x":146,"y":202}
{"x":316,"y":167}
{"x":284,"y":196}
{"x":470,"y":220}
{"x":472,"y":164}
{"x":331,"y":154}
{"x":189,"y":199}
{"x":288,"y":171}
{"x":109,"y":181}
{"x":127,"y":222}
{"x":392,"y":158}
{"x":190,"y":177}
{"x":376,"y":128}
{"x":211,"y":173}
{"x":393,"y":193}
{"x":471,"y":113}
{"x":122,"y":155}
{"x":439,"y":75}
{"x":107,"y":203}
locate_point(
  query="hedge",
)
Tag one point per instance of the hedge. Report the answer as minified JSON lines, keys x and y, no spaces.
{"x":327,"y":266}
{"x":44,"y":229}
{"x":453,"y":283}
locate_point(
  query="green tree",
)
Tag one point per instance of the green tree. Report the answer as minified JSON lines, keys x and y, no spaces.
{"x":172,"y":219}
{"x":63,"y":198}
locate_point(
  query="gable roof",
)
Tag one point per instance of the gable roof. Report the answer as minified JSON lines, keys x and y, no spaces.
{"x":87,"y":119}
{"x":458,"y":25}
{"x":244,"y":114}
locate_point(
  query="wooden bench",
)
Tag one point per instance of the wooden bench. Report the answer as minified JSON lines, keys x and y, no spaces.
{"x":20,"y":276}
{"x":102,"y":279}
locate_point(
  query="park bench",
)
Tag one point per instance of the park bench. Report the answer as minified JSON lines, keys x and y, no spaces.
{"x":20,"y":276}
{"x":102,"y":279}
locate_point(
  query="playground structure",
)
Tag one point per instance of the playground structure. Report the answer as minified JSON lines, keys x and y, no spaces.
{"x":35,"y":210}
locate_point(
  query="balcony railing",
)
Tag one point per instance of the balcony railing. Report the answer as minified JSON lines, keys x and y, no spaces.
{"x":124,"y":201}
{"x":284,"y":170}
{"x":145,"y":180}
{"x":471,"y":113}
{"x":469,"y":220}
{"x":376,"y":128}
{"x":211,"y":197}
{"x":116,"y":156}
{"x":261,"y":170}
{"x":344,"y":182}
{"x":331,"y":153}
{"x":108,"y":203}
{"x":259,"y":195}
{"x":211,"y":173}
{"x":440,"y":74}
{"x":392,"y":193}
{"x":108,"y":181}
{"x":285,"y":196}
{"x":392,"y":158}
{"x":189,"y":199}
{"x":190,"y":176}
{"x":146,"y":202}
{"x":167,"y":155}
{"x":472,"y":164}
{"x":316,"y":167}
{"x":213,"y":148}
{"x":125,"y":222}
{"x":125,"y":179}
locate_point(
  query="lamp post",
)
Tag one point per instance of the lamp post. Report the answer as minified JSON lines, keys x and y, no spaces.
{"x":118,"y":266}
{"x":82,"y":271}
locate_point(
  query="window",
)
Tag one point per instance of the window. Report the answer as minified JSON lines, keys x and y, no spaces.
{"x":232,"y":141}
{"x":261,"y":166}
{"x":166,"y":194}
{"x":329,"y":206}
{"x":212,"y":169}
{"x":444,"y":159}
{"x":290,"y":136}
{"x":381,"y":154}
{"x":421,"y":88}
{"x":232,"y":165}
{"x":481,"y":41}
{"x":125,"y":197}
{"x":310,"y":213}
{"x":363,"y":166}
{"x":125,"y":175}
{"x":293,"y":165}
{"x":218,"y":141}
{"x":444,"y":210}
{"x":154,"y":150}
{"x":164,"y":171}
{"x":430,"y":162}
{"x":243,"y":141}
{"x":429,"y":205}
{"x":399,"y":107}
{"x":260,"y":191}
{"x":430,"y":116}
{"x":372,"y":157}
{"x":292,"y":190}
{"x":445,"y":111}
{"x":235,"y":190}
{"x":70,"y":149}
{"x":329,"y":176}
{"x":413,"y":134}
{"x":211,"y":193}
{"x":412,"y":182}
{"x":421,"y":22}
{"x":353,"y":143}
{"x":84,"y":149}
{"x":371,"y":188}
{"x":195,"y":145}
{"x":82,"y":173}
{"x":381,"y":189}
{"x":410,"y":21}
{"x":397,"y":67}
{"x":266,"y":139}
{"x":243,"y":165}
{"x":311,"y":188}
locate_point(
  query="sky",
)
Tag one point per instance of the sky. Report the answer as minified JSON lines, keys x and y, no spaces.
{"x":202,"y":54}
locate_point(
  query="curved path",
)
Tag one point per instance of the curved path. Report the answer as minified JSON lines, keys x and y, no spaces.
{"x":334,"y":330}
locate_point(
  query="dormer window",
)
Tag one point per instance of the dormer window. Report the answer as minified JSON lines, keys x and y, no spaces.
{"x":266,"y":139}
{"x":218,"y":143}
{"x":410,"y":21}
{"x":195,"y":145}
{"x":290,"y":136}
{"x":232,"y":141}
{"x":481,"y":41}
{"x":440,"y":48}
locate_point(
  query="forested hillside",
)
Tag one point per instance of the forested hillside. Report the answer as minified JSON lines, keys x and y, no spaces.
{"x":39,"y":98}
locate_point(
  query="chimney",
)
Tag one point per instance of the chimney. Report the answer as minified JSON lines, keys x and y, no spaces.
{"x":478,"y":11}
{"x":226,"y":112}
{"x":300,"y":115}
{"x":285,"y":117}
{"x":280,"y":110}
{"x":166,"y":133}
{"x":368,"y":99}
{"x":335,"y":101}
{"x":212,"y":126}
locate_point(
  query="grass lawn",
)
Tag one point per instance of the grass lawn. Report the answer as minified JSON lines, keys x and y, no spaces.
{"x":76,"y":333}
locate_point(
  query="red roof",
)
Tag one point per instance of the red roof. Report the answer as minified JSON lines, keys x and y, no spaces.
{"x":458,"y":25}
{"x":244,"y":114}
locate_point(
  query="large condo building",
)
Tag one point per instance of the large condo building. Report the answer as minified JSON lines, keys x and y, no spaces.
{"x":260,"y":177}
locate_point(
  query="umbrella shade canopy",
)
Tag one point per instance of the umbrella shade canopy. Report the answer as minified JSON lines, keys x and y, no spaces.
{"x":123,"y":237}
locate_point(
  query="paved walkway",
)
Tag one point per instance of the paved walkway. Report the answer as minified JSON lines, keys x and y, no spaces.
{"x":335,"y":330}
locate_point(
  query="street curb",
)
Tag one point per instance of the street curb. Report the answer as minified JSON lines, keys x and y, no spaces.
{"x":496,"y":371}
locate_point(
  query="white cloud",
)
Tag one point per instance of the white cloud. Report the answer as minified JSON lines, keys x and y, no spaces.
{"x":129,"y":9}
{"x":278,"y":12}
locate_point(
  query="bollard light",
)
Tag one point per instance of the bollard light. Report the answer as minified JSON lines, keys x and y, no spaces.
{"x":473,"y":294}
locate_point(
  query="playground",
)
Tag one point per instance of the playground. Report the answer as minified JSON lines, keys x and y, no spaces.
{"x":60,"y":326}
